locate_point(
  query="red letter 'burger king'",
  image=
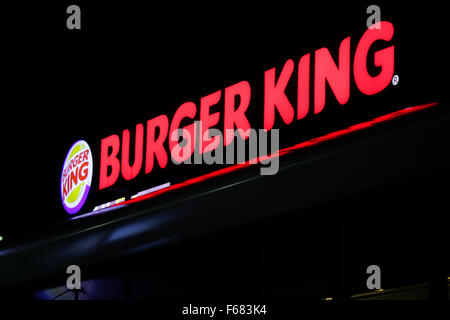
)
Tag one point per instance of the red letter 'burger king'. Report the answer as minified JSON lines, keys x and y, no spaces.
{"x":115,"y":152}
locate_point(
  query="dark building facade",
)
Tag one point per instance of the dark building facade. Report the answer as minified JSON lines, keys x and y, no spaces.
{"x":363,"y":157}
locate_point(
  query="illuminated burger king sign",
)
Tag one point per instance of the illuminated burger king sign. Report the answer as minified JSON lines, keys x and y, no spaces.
{"x":314,"y":74}
{"x":327,"y":71}
{"x":76,"y":176}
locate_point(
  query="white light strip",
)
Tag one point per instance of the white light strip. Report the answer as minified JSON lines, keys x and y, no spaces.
{"x":109,"y":204}
{"x":160,"y":187}
{"x":98,"y":212}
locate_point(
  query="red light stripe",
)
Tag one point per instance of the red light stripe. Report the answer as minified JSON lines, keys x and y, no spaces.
{"x":305,"y":144}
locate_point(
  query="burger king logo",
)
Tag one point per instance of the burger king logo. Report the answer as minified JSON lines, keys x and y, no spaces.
{"x":76,"y":176}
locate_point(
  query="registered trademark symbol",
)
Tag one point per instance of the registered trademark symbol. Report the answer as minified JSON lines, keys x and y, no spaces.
{"x":395,"y":79}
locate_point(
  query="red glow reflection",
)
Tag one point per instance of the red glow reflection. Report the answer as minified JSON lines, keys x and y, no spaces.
{"x":302,"y":145}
